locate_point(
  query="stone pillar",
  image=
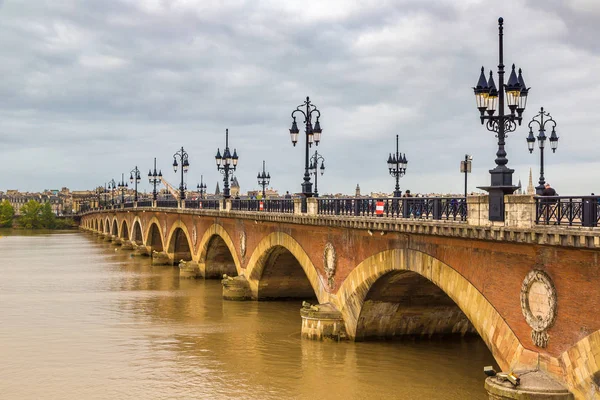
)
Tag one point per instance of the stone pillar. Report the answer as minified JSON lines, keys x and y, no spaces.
{"x":322,"y":322}
{"x":127,"y":245}
{"x":153,"y":203}
{"x":182,"y":204}
{"x":312,"y":206}
{"x":225,"y":205}
{"x":116,"y":241}
{"x":478,"y":210}
{"x":160,"y":258}
{"x":519,"y":211}
{"x":108,"y":238}
{"x":236,"y":289}
{"x":534,"y":385}
{"x":298,"y":206}
{"x":189,"y":269}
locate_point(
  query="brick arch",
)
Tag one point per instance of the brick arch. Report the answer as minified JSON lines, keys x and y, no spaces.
{"x":177,"y":230}
{"x":114,"y":227}
{"x":264,"y":250}
{"x":491,"y":326}
{"x":124,"y":231}
{"x":148,"y":240}
{"x":137,"y":232}
{"x":101,"y":226}
{"x":203,"y":247}
{"x":107,"y":225}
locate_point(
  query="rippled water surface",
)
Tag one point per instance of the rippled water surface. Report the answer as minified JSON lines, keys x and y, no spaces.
{"x":81,"y":320}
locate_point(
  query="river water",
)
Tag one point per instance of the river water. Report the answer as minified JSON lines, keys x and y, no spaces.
{"x":80,"y":319}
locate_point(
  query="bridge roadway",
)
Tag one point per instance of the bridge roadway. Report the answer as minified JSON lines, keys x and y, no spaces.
{"x":531,"y":292}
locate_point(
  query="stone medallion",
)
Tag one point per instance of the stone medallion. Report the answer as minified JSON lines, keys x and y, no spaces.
{"x":538,"y":303}
{"x":243,"y":243}
{"x":329,"y":262}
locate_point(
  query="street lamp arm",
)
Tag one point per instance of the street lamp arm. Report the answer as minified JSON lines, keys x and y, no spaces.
{"x":300,"y":111}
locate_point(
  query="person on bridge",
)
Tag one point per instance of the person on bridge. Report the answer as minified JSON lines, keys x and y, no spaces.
{"x":288,"y":195}
{"x":548,"y":190}
{"x":407,"y":194}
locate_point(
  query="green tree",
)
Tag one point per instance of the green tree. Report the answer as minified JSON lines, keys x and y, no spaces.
{"x":47,"y":217}
{"x":7,"y":212}
{"x":30,"y":215}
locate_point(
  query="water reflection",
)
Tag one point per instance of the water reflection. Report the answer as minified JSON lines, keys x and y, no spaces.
{"x":81,"y":320}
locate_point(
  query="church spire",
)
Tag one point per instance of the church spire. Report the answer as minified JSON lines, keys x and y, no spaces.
{"x":530,"y":189}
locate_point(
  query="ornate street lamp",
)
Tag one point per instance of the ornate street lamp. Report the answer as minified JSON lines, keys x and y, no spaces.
{"x":541,"y":122}
{"x":135,"y":178}
{"x":112,"y":186}
{"x":226,"y":163}
{"x":122,"y":187}
{"x":201,"y":188}
{"x":185,"y":165}
{"x":313,"y":135}
{"x":489,"y":99}
{"x":315,"y":169}
{"x":154,"y":180}
{"x":397,"y":164}
{"x":263,"y":180}
{"x":465,"y":168}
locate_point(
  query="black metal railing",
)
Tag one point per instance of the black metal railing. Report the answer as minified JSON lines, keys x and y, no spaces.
{"x":203,"y":204}
{"x":566,"y":210}
{"x":439,"y":208}
{"x":144,"y":203}
{"x":167,"y":203}
{"x":273,"y":205}
{"x":128,"y":205}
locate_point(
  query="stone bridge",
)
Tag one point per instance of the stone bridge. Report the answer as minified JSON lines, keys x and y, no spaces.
{"x":531,"y":292}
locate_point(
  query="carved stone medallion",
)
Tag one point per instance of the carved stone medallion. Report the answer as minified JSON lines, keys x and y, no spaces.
{"x":243,"y":243}
{"x":329,"y":262}
{"x":538,"y":303}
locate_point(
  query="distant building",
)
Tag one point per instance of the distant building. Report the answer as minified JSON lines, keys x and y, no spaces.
{"x":235,"y":188}
{"x":357,"y":191}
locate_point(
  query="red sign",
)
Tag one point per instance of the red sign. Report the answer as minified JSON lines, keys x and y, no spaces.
{"x":379,"y":208}
{"x":260,"y":206}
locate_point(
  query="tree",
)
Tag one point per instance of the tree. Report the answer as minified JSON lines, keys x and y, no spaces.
{"x":47,"y":217}
{"x":30,"y":215}
{"x":7,"y":212}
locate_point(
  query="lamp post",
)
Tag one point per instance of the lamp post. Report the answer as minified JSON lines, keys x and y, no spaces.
{"x":541,"y":119}
{"x":135,"y":178}
{"x":489,"y":98}
{"x":397,"y":164}
{"x":313,"y":135}
{"x":263,"y":180}
{"x":465,"y":167}
{"x":122,"y":186}
{"x":226,"y":163}
{"x":185,"y":165}
{"x":201,"y":188}
{"x":154,"y":179}
{"x":314,"y":169}
{"x":112,"y":186}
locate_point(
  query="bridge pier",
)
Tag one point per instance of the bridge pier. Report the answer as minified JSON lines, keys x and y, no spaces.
{"x":127,"y":245}
{"x":189,"y":269}
{"x":140,"y":250}
{"x":160,"y":258}
{"x":117,"y":241}
{"x":108,"y":237}
{"x":236,"y":289}
{"x":534,"y":385}
{"x":322,"y":322}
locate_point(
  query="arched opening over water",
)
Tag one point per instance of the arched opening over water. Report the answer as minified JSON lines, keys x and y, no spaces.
{"x":282,"y":277}
{"x":96,"y":225}
{"x":154,"y":239}
{"x":136,"y":235}
{"x":179,"y":246}
{"x":124,"y":230}
{"x":101,"y":226}
{"x":218,"y":259}
{"x":115,"y":228}
{"x":404,"y":303}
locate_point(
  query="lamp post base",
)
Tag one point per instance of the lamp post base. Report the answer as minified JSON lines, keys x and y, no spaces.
{"x":501,"y":186}
{"x":307,"y":189}
{"x":397,"y":193}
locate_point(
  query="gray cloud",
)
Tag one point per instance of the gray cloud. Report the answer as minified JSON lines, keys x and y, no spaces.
{"x":91,"y":89}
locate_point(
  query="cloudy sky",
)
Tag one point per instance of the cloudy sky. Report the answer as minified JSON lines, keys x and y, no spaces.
{"x":90,"y":89}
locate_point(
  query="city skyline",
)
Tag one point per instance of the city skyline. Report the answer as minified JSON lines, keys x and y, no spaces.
{"x":90,"y":92}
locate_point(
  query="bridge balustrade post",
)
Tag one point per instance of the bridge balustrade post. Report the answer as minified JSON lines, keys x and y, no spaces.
{"x":406,"y":208}
{"x":135,"y":204}
{"x":519,"y":211}
{"x":478,"y":210}
{"x":437,"y":208}
{"x":153,"y":203}
{"x":181,"y":204}
{"x":297,"y":206}
{"x":312,"y":206}
{"x":589,"y":213}
{"x":225,"y":205}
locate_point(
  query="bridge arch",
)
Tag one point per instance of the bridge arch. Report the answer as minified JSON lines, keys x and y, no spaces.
{"x":124,"y":233}
{"x":136,"y":232}
{"x":179,"y":244}
{"x":115,"y":227}
{"x":154,"y":235}
{"x":390,"y":267}
{"x":216,"y":254}
{"x":107,"y":225}
{"x":102,"y":226}
{"x":280,"y":262}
